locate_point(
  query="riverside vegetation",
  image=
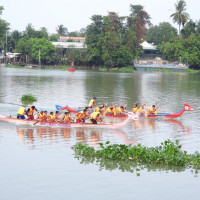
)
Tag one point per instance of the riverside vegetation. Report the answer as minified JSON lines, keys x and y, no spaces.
{"x":167,"y":154}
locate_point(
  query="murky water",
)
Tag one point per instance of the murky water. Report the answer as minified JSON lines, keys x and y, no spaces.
{"x":38,"y":163}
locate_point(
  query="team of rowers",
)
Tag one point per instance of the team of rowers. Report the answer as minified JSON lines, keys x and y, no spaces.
{"x":95,"y":114}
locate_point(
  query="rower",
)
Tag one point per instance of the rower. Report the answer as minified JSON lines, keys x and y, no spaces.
{"x":57,"y":116}
{"x":51,"y":117}
{"x":30,"y":112}
{"x":40,"y":115}
{"x":66,"y":118}
{"x":111,"y":110}
{"x":142,"y":109}
{"x":45,"y":116}
{"x":21,"y":113}
{"x":101,"y":109}
{"x":92,"y":102}
{"x":95,"y":117}
{"x":120,"y":110}
{"x":153,"y":110}
{"x":135,"y":108}
{"x":82,"y":115}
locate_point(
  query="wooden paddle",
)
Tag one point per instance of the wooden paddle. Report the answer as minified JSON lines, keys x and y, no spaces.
{"x":36,"y":122}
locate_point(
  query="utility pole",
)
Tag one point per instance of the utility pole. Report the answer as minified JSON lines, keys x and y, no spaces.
{"x":39,"y":61}
{"x":6,"y":47}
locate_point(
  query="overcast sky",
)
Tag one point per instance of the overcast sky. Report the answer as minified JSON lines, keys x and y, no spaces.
{"x":76,"y":14}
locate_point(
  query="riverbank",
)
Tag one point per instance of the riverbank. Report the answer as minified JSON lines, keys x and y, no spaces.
{"x":128,"y":69}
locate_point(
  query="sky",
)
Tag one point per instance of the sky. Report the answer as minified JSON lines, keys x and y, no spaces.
{"x":76,"y":14}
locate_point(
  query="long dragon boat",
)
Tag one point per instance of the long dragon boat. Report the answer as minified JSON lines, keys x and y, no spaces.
{"x":63,"y":125}
{"x":186,"y":107}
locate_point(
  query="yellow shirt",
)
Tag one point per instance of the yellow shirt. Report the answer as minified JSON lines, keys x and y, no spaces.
{"x":91,"y":103}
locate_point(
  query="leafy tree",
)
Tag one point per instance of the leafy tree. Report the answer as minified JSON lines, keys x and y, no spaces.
{"x":197,"y":28}
{"x":4,"y":27}
{"x":186,"y":50}
{"x":24,"y":47}
{"x":29,"y":30}
{"x":46,"y":48}
{"x":15,"y":36}
{"x":141,"y":19}
{"x":161,"y":33}
{"x":54,"y":37}
{"x":188,"y":29}
{"x":137,"y":23}
{"x":44,"y":32}
{"x":180,"y":16}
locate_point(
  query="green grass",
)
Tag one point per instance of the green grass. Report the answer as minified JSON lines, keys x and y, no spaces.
{"x":14,"y":66}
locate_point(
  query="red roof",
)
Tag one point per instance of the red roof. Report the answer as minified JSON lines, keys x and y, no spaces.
{"x":72,"y":38}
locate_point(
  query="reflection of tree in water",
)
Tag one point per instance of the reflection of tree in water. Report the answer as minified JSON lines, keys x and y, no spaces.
{"x":130,"y":166}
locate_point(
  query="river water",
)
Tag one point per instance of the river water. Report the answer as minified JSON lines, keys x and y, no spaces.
{"x":39,"y":163}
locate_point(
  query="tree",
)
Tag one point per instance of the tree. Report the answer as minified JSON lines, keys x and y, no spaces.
{"x":137,"y":23}
{"x":46,"y":49}
{"x":4,"y":27}
{"x":188,"y":50}
{"x":44,"y":32}
{"x":180,"y":16}
{"x":54,"y":37}
{"x":141,"y":19}
{"x":161,"y":33}
{"x":197,"y":28}
{"x":29,"y":30}
{"x":15,"y":36}
{"x":61,"y":30}
{"x":188,"y":29}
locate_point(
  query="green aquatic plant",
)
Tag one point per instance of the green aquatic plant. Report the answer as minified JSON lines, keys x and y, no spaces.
{"x":168,"y":153}
{"x":28,"y":99}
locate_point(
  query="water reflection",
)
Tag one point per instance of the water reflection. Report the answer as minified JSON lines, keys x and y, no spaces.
{"x":176,"y":123}
{"x":85,"y":135}
{"x":131,"y":166}
{"x":152,"y":124}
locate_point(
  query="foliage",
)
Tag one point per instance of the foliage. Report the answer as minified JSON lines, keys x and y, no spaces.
{"x":61,"y":30}
{"x":30,"y":47}
{"x":114,"y":41}
{"x":46,"y":50}
{"x":28,"y":99}
{"x":168,"y":153}
{"x":189,"y":28}
{"x":4,"y":27}
{"x":161,"y":33}
{"x":183,"y":50}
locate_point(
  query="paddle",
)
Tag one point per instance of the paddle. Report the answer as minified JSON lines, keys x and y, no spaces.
{"x":36,"y":122}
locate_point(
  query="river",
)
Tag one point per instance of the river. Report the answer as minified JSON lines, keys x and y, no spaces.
{"x":39,"y":163}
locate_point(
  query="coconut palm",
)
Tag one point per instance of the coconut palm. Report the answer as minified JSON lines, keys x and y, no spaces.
{"x":180,"y":16}
{"x":61,"y":30}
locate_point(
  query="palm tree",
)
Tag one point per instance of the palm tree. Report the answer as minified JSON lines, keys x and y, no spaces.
{"x":61,"y":30}
{"x":180,"y":16}
{"x":15,"y":35}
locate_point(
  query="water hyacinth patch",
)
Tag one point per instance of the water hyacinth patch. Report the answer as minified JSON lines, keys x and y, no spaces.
{"x":168,"y":153}
{"x":28,"y":99}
